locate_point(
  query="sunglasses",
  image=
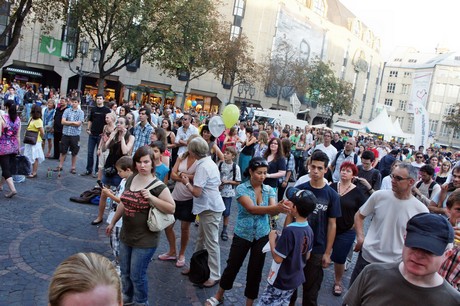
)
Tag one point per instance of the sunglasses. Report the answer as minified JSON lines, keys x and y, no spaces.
{"x":398,"y":178}
{"x":262,"y":163}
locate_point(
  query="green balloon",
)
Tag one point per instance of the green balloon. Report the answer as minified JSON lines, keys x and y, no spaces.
{"x":230,"y":115}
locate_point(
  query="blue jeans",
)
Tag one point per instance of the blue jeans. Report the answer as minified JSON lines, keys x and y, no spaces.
{"x":133,"y":267}
{"x":28,"y":110}
{"x":93,"y":143}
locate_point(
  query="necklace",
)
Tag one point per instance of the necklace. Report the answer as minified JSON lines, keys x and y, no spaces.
{"x":343,"y":192}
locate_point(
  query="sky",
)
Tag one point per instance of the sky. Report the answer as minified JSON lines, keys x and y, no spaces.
{"x":421,"y":24}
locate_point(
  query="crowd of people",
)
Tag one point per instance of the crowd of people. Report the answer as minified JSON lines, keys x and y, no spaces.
{"x":137,"y":153}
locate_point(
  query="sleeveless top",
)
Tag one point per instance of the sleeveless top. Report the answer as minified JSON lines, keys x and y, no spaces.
{"x":115,"y":151}
{"x":9,"y":141}
{"x":180,"y":192}
{"x":134,"y":231}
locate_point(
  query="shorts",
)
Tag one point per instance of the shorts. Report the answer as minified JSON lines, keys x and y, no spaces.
{"x":342,"y":245}
{"x":70,"y":142}
{"x":183,"y":211}
{"x":228,"y":206}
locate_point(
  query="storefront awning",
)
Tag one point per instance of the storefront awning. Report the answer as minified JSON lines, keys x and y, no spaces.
{"x":155,"y":85}
{"x":203,"y":93}
{"x":23,"y":71}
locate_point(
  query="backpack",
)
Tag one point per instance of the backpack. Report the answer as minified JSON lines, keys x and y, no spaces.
{"x":430,"y":189}
{"x":199,"y":269}
{"x":233,"y":169}
{"x":355,"y":157}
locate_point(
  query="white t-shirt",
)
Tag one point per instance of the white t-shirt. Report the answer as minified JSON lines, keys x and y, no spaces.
{"x":386,"y":183}
{"x":415,"y":164}
{"x":330,"y":151}
{"x":385,"y":238}
{"x":118,"y":193}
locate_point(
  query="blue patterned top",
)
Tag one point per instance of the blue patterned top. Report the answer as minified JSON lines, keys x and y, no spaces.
{"x":248,"y":226}
{"x":73,"y":115}
{"x":141,"y":136}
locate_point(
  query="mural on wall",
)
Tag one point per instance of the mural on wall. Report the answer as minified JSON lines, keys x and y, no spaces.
{"x":305,"y":38}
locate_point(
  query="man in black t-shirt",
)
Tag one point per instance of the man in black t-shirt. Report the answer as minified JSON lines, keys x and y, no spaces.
{"x":369,"y":173}
{"x":96,"y":122}
{"x":57,"y":126}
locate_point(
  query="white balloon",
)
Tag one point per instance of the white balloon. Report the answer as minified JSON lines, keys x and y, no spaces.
{"x":216,"y":126}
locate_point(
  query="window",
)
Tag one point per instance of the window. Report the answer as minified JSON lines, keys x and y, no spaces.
{"x":434,"y":107}
{"x":449,"y":109}
{"x":398,"y":59}
{"x":402,"y":105}
{"x":445,"y":131}
{"x":405,"y":89}
{"x":401,"y":120}
{"x":4,"y":19}
{"x":407,"y":74}
{"x":434,"y":125}
{"x":238,"y":8}
{"x":319,"y":7}
{"x":452,"y":91}
{"x":235,"y":32}
{"x":456,"y":135}
{"x":412,"y":60}
{"x":410,"y":124}
{"x":389,"y":102}
{"x":393,"y":74}
{"x":391,"y":87}
{"x":439,"y":89}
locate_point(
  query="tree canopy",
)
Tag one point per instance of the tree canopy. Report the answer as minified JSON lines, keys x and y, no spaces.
{"x":453,"y":119}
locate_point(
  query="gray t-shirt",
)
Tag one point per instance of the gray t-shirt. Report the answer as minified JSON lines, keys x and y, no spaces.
{"x":383,"y":284}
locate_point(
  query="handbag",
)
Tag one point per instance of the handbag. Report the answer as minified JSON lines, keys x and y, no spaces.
{"x":158,"y":220}
{"x":30,"y":137}
{"x":21,"y":166}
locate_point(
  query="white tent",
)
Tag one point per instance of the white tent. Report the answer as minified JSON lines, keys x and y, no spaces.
{"x":382,"y":125}
{"x":397,"y":127}
{"x":339,"y":125}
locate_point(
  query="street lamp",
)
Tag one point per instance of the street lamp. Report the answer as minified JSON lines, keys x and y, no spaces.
{"x":84,"y":48}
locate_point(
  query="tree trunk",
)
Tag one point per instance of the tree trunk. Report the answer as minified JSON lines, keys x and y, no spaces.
{"x":182,"y":104}
{"x":100,"y":86}
{"x":278,"y":97}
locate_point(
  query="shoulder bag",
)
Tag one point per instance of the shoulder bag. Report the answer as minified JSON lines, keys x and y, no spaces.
{"x":30,"y":137}
{"x":158,"y":220}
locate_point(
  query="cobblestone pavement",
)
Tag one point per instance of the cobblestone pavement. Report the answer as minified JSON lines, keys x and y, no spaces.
{"x":41,"y":227}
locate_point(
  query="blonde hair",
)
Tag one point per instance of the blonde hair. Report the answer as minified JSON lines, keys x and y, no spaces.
{"x":82,"y":272}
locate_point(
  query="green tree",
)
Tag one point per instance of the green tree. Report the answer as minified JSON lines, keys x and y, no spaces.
{"x":20,"y":14}
{"x":284,"y":72}
{"x":197,"y":45}
{"x":125,"y":31}
{"x":237,"y":64}
{"x":334,"y":95}
{"x":453,"y":119}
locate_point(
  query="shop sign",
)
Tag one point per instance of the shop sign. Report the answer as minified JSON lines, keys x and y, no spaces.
{"x":50,"y":45}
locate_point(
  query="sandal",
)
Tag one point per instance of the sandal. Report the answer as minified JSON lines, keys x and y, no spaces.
{"x":57,"y":169}
{"x":210,"y":283}
{"x":212,"y":301}
{"x":224,"y":236}
{"x":166,"y":256}
{"x":337,"y":290}
{"x":73,"y":171}
{"x":180,"y":262}
{"x":32,"y":175}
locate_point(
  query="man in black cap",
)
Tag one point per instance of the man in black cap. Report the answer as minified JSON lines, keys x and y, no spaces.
{"x":414,"y":280}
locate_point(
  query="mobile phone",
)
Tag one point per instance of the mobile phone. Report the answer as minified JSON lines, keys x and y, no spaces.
{"x":99,"y":182}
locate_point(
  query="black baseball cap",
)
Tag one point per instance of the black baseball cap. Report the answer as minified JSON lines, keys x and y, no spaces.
{"x":429,"y":232}
{"x":303,"y":198}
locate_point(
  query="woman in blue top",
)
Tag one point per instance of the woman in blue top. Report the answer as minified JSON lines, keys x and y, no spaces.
{"x":256,"y":202}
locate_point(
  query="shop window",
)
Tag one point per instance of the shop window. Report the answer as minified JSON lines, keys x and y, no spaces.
{"x":4,"y":19}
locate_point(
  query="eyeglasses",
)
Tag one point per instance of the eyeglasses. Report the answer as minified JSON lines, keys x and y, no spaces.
{"x":398,"y":178}
{"x":419,"y":156}
{"x":185,"y":119}
{"x":262,"y":163}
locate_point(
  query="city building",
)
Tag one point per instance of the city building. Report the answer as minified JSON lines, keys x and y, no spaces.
{"x":316,"y":28}
{"x":441,"y":70}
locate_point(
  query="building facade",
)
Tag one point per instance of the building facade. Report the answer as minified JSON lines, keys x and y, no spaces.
{"x":441,"y":70}
{"x":316,"y":28}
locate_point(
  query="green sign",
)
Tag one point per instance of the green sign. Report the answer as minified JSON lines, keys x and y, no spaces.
{"x":50,"y":45}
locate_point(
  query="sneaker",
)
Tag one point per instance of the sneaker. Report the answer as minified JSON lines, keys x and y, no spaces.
{"x":347,"y":264}
{"x":86,"y":173}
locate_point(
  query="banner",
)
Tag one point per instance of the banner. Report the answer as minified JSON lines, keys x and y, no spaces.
{"x":420,"y":87}
{"x":421,"y":125}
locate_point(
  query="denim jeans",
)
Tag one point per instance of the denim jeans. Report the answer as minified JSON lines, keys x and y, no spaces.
{"x":133,"y":266}
{"x":28,"y":110}
{"x":93,"y":143}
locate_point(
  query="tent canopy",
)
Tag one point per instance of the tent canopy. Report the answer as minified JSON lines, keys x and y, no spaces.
{"x":382,"y":125}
